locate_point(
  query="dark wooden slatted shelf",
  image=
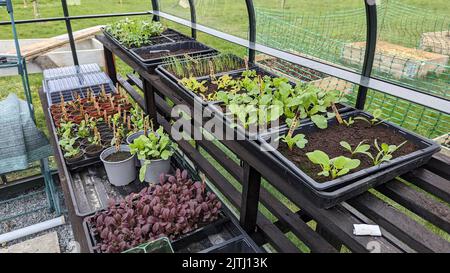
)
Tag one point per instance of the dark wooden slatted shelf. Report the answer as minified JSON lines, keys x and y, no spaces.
{"x":430,"y":182}
{"x":334,"y":226}
{"x":419,"y":203}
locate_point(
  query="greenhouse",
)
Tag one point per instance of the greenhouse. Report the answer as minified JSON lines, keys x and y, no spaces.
{"x":224,"y":126}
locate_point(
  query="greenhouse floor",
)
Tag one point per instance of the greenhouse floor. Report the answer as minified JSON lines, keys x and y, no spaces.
{"x":30,"y":200}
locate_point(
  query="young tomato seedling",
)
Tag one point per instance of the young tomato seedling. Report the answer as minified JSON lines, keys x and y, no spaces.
{"x":335,"y":167}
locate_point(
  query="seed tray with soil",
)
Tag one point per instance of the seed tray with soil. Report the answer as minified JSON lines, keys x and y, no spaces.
{"x":201,"y":67}
{"x":416,"y":149}
{"x":212,"y":87}
{"x":299,"y":72}
{"x":152,"y":56}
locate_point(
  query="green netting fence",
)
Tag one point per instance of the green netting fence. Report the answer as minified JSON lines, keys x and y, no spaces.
{"x":413,"y":48}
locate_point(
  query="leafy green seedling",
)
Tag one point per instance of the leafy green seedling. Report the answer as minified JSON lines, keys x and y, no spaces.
{"x":360,"y":149}
{"x":376,"y":120}
{"x":249,"y":74}
{"x":298,"y":140}
{"x":154,"y":146}
{"x":83,"y":130}
{"x":335,"y":167}
{"x":194,"y":85}
{"x":349,"y":122}
{"x":385,"y":152}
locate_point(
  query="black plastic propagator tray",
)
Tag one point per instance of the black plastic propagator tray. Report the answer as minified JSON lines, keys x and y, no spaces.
{"x":188,"y":95}
{"x":80,"y":84}
{"x":330,"y":193}
{"x":178,"y":49}
{"x":168,"y":36}
{"x":70,"y":95}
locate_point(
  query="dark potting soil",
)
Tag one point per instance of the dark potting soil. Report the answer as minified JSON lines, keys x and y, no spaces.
{"x":300,"y":72}
{"x":328,"y":141}
{"x":93,"y":149}
{"x":149,"y":55}
{"x":119,"y":156}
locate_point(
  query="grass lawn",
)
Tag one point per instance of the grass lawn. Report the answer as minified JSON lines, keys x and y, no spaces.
{"x":228,"y":16}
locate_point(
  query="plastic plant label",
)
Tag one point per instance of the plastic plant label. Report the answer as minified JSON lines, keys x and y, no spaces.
{"x":366,"y":230}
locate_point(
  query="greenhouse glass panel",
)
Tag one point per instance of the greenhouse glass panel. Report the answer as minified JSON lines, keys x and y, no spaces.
{"x":320,"y":30}
{"x":413,"y":45}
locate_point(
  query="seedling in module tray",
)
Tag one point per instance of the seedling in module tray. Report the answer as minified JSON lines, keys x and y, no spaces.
{"x":176,"y":69}
{"x":100,"y":116}
{"x":70,"y":95}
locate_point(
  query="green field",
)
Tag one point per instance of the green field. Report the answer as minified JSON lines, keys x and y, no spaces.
{"x":228,"y":16}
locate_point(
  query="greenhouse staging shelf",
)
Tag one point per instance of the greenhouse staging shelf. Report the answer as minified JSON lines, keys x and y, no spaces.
{"x":336,"y":222}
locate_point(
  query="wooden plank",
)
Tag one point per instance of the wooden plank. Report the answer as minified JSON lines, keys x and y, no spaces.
{"x":133,"y":93}
{"x":400,"y":225}
{"x":110,"y":65}
{"x":40,"y":48}
{"x":439,"y":164}
{"x":430,"y":182}
{"x":251,"y":186}
{"x":419,"y":203}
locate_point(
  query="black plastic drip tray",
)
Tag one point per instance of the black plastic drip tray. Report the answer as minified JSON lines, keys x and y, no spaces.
{"x":156,"y":53}
{"x":92,"y":189}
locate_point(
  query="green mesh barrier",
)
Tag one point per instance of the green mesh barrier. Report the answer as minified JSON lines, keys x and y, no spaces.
{"x":412,"y":50}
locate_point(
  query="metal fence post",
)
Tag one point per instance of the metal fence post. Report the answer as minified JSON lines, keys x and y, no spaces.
{"x":155,"y":7}
{"x":69,"y":32}
{"x":193,"y":18}
{"x":252,"y":29}
{"x":371,"y":44}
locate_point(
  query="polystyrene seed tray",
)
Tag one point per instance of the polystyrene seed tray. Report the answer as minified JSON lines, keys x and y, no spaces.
{"x":62,"y":72}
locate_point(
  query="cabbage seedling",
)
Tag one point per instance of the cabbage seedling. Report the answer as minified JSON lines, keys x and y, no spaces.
{"x":335,"y":167}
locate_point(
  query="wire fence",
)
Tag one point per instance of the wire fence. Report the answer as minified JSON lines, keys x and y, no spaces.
{"x":412,"y":50}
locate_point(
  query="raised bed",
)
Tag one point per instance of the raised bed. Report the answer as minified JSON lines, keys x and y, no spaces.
{"x":327,"y":192}
{"x":300,"y":73}
{"x":437,"y":42}
{"x":398,"y":61}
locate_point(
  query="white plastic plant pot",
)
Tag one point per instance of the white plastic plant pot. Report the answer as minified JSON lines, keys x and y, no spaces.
{"x":120,"y":173}
{"x":155,"y":169}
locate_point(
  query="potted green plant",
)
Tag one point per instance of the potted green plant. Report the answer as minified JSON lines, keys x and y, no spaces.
{"x":72,"y":151}
{"x":94,"y":148}
{"x":154,"y":151}
{"x":119,"y":162}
